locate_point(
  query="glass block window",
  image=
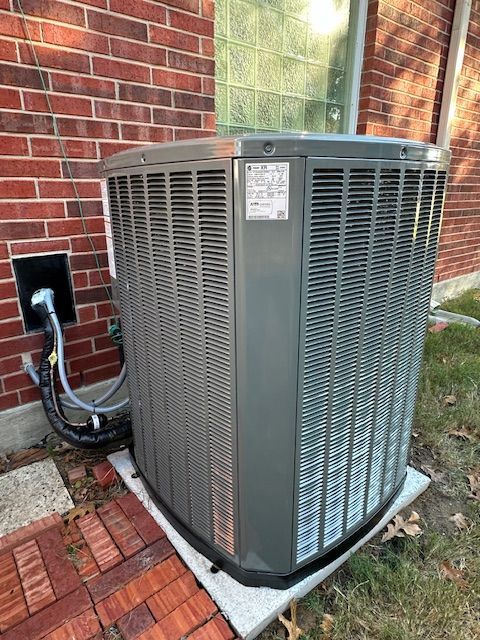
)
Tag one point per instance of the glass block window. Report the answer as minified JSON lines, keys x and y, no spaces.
{"x":281,"y":65}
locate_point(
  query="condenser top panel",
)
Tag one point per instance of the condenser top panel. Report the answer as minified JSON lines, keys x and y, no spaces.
{"x":278,"y":145}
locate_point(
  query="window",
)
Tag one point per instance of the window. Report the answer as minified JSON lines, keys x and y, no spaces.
{"x":283,"y":65}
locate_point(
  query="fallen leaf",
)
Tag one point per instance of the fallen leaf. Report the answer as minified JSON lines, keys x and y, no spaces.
{"x":26,"y":456}
{"x":464,"y":433}
{"x":294,"y":632}
{"x":327,"y":626}
{"x":449,"y":401}
{"x":476,"y":296}
{"x":460,"y":521}
{"x":474,"y":480}
{"x":434,"y":475}
{"x":452,"y":573}
{"x":78,"y":512}
{"x":399,"y":527}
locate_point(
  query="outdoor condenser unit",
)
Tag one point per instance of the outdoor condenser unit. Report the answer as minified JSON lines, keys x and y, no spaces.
{"x":274,"y":293}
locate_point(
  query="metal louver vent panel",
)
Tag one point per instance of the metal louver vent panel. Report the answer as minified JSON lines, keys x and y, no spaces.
{"x":370,"y":238}
{"x":172,"y":231}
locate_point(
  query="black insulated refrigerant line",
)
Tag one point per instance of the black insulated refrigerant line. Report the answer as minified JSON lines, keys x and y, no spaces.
{"x":98,"y":431}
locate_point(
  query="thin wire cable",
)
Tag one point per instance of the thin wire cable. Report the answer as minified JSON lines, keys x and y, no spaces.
{"x":65,"y":157}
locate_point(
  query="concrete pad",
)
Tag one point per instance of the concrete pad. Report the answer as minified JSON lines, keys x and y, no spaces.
{"x":30,"y":493}
{"x":251,"y":609}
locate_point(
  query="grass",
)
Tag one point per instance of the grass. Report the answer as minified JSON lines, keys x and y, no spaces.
{"x":396,"y":590}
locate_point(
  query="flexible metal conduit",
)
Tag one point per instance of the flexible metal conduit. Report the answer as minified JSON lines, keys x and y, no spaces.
{"x":44,"y":297}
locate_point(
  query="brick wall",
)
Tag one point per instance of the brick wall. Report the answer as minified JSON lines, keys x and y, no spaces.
{"x":406,"y":51}
{"x":460,"y":241}
{"x":121,"y":73}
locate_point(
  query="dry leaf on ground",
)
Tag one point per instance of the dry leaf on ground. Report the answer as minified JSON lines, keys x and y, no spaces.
{"x":460,"y":521}
{"x":449,"y":401}
{"x":399,"y":527}
{"x":452,"y":573}
{"x":78,"y":512}
{"x":474,"y":480}
{"x":436,"y":476}
{"x":464,"y":433}
{"x":327,"y":626}
{"x":294,"y":632}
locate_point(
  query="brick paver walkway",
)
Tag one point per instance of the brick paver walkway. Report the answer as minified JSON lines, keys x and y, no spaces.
{"x":111,"y":574}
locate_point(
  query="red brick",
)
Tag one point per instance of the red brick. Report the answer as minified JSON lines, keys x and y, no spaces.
{"x":9,"y":329}
{"x":146,"y":133}
{"x":99,"y":541}
{"x":13,"y":145}
{"x":74,"y":38}
{"x":188,"y":134}
{"x":194,"y":64}
{"x":150,"y":11}
{"x":209,"y":121}
{"x":60,"y":104}
{"x":183,"y":81}
{"x":36,"y":584}
{"x":49,"y":147}
{"x":31,"y":210}
{"x":109,"y":148}
{"x":77,"y":473}
{"x":28,"y":167}
{"x":186,"y":5}
{"x":121,"y":70}
{"x":135,"y":622}
{"x":139,"y":590}
{"x":19,"y":230}
{"x":118,"y":111}
{"x":7,"y":289}
{"x":51,"y":618}
{"x":191,"y":101}
{"x":13,"y":608}
{"x":83,"y":627}
{"x":105,"y":585}
{"x":90,"y":208}
{"x":75,"y":332}
{"x":5,"y":270}
{"x":148,"y":95}
{"x":172,"y":596}
{"x":29,"y":531}
{"x":216,"y":629}
{"x":88,"y":296}
{"x":147,"y":527}
{"x":10,"y":98}
{"x":12,"y":25}
{"x":21,"y":76}
{"x":9,"y":365}
{"x":25,"y":123}
{"x":55,"y":58}
{"x":174,"y":39}
{"x":116,"y":26}
{"x":80,"y":169}
{"x":83,"y":244}
{"x":102,"y":373}
{"x":87,"y":128}
{"x":208,"y":86}
{"x":191,"y":24}
{"x":177,"y":118}
{"x":8,"y":51}
{"x":185,"y":619}
{"x":64,"y":189}
{"x":73,"y":226}
{"x":208,"y":9}
{"x":63,"y":576}
{"x":19,"y":344}
{"x":8,"y":310}
{"x":39,"y":246}
{"x":55,"y":10}
{"x":121,"y":530}
{"x":17,"y":189}
{"x":207,"y":47}
{"x":130,"y":504}
{"x":8,"y":400}
{"x":136,"y":51}
{"x":82,"y":85}
{"x":84,"y":562}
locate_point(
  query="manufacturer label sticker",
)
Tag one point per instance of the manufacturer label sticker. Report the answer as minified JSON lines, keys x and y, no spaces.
{"x":266,"y":190}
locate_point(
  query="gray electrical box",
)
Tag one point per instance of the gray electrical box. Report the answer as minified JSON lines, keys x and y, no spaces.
{"x":274,"y":296}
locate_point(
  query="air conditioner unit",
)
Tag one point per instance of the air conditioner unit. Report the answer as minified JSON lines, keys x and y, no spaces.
{"x":274,"y":295}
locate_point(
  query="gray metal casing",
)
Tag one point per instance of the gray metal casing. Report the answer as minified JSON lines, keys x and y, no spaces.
{"x":273,"y":365}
